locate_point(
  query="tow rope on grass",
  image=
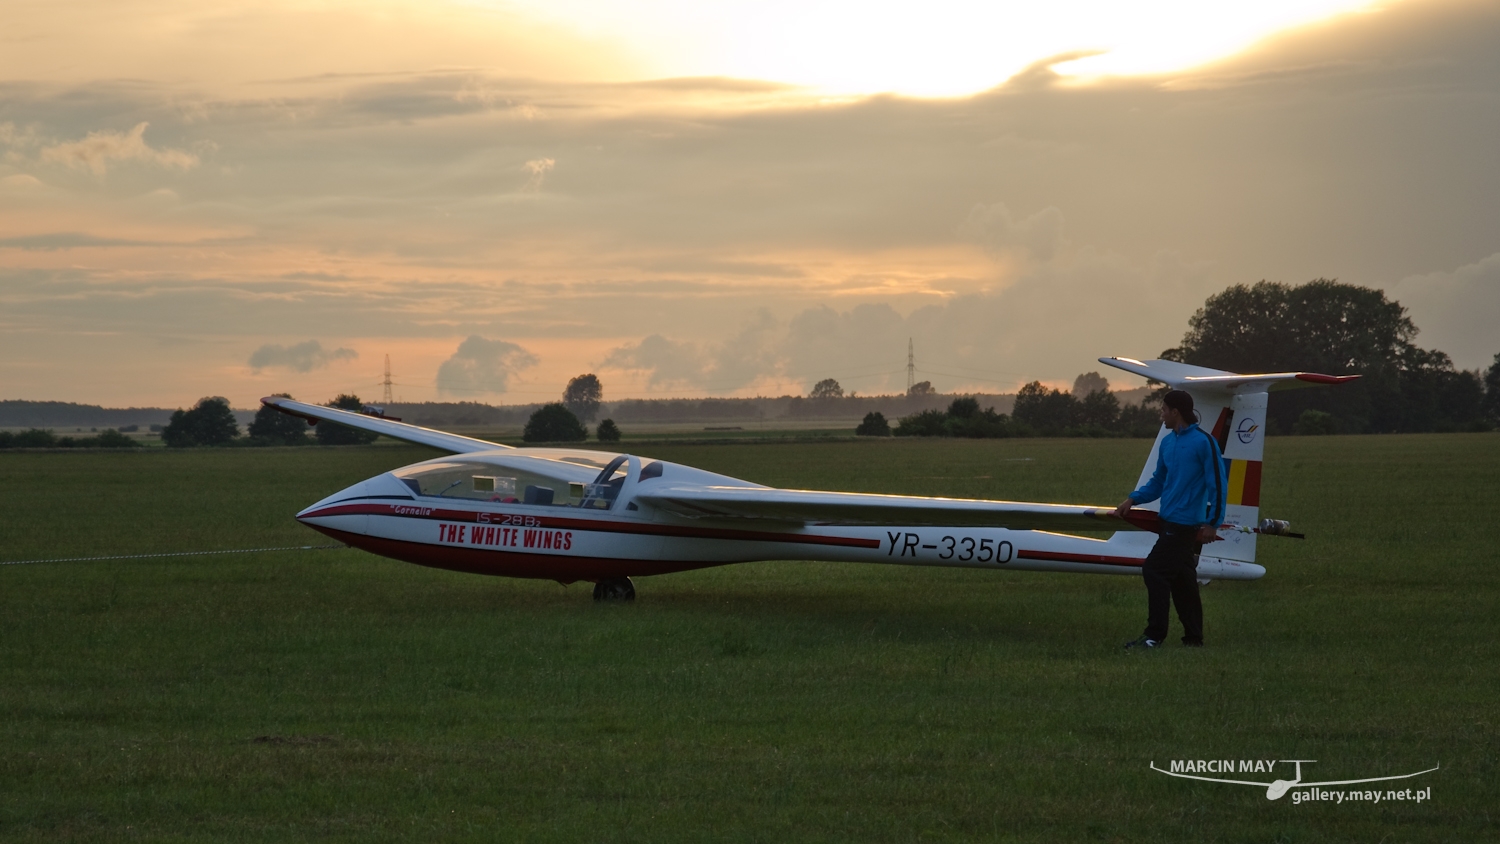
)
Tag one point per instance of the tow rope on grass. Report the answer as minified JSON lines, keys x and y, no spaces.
{"x":172,"y":554}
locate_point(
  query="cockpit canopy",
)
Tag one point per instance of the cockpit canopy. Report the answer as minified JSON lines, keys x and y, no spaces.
{"x":548,"y":477}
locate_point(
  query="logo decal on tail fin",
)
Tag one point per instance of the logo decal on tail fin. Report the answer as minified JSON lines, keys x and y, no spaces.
{"x":1246,"y":430}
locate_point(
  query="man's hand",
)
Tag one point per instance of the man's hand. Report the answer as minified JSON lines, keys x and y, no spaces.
{"x":1124,"y":508}
{"x":1207,"y":534}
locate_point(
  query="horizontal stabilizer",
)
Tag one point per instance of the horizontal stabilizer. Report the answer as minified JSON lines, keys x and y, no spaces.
{"x":451,"y":443}
{"x":1182,"y":376}
{"x":848,"y":508}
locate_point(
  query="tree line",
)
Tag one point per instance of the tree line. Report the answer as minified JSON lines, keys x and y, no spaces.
{"x":210,"y":422}
{"x":1038,"y":412}
{"x":1340,"y":329}
{"x":40,"y":438}
{"x":1322,"y":326}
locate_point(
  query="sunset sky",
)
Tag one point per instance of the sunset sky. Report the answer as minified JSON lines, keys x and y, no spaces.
{"x":715,"y":198}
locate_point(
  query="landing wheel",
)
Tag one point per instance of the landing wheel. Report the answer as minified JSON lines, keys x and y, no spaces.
{"x":614,"y":589}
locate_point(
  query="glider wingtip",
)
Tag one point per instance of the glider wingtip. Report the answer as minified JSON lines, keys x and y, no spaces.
{"x":1319,"y":378}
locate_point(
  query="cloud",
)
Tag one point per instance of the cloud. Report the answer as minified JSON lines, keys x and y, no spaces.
{"x":20,"y":182}
{"x":99,"y":148}
{"x":1038,"y":237}
{"x":481,"y":365}
{"x":864,"y":347}
{"x":17,"y":137}
{"x":737,"y":362}
{"x":1051,"y":323}
{"x":668,"y":362}
{"x":387,"y":205}
{"x":538,"y":168}
{"x":1039,"y":75}
{"x":302,"y":357}
{"x":1457,"y":311}
{"x":64,"y":240}
{"x":1055,"y":321}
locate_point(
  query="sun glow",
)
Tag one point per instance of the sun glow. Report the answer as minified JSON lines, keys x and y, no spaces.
{"x":940,"y":48}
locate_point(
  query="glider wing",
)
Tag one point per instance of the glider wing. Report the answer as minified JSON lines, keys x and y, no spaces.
{"x":847,"y":508}
{"x":452,"y":443}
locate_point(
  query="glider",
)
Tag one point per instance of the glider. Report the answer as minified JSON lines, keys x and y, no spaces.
{"x":576,"y":514}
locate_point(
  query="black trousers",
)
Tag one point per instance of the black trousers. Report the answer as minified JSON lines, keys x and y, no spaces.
{"x":1171,"y":574}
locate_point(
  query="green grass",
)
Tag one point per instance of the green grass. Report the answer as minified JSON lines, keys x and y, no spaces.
{"x":333,"y":695}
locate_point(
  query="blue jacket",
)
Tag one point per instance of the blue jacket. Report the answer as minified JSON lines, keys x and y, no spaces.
{"x":1189,"y":479}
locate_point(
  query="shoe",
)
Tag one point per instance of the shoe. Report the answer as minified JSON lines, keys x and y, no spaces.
{"x":1142,"y":642}
{"x":1192,"y":643}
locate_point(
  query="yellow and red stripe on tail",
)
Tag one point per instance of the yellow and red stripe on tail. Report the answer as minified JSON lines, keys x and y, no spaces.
{"x":1244,"y":482}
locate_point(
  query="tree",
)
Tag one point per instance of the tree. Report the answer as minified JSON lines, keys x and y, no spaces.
{"x":874,"y":425}
{"x":38,"y":438}
{"x":921,"y":388}
{"x":962,"y":419}
{"x":554,"y":423}
{"x":1315,"y":423}
{"x":608,"y":432}
{"x":1089,"y":382}
{"x":1436,"y":397}
{"x":965,"y":419}
{"x":110,"y":438}
{"x":1322,"y":326}
{"x":1046,"y":411}
{"x":209,"y":422}
{"x":583,"y":395}
{"x":1337,"y":329}
{"x":928,"y":423}
{"x":964,"y":407}
{"x":826,"y":389}
{"x":1099,"y":408}
{"x":1492,"y":392}
{"x":1272,"y":327}
{"x":30,"y":438}
{"x":272,"y":427}
{"x":332,"y":433}
{"x":1140,"y":420}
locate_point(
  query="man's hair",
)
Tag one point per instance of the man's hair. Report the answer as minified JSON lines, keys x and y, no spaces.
{"x":1181,"y":402}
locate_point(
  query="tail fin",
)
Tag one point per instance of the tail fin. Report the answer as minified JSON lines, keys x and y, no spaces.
{"x":1232,"y":408}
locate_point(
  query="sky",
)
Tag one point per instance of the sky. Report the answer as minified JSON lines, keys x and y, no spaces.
{"x":715,"y":199}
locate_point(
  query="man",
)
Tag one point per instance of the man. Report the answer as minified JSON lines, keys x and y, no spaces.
{"x":1189,"y":480}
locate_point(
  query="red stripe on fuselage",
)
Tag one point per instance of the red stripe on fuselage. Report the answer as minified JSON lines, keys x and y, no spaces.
{"x":418,"y":511}
{"x":1064,"y":557}
{"x":561,"y":568}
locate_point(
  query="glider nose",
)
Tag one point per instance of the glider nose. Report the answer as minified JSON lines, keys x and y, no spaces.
{"x":337,"y":504}
{"x":348,"y":509}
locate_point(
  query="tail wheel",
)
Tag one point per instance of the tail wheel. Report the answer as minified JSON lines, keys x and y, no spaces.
{"x":614,"y":589}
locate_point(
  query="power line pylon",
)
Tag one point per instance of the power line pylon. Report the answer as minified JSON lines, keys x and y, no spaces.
{"x":911,"y":366}
{"x":386,"y":398}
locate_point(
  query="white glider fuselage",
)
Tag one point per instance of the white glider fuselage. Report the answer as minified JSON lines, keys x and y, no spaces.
{"x":643,"y":528}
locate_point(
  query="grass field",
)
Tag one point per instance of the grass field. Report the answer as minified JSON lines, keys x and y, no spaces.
{"x":332,"y":695}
